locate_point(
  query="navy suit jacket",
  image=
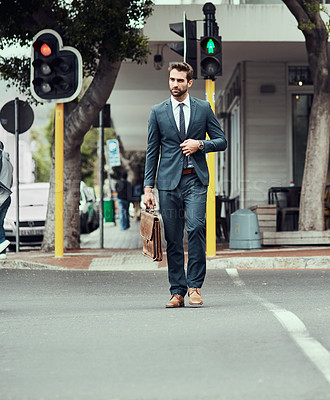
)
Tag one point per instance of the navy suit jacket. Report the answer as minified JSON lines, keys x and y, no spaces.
{"x":164,"y":143}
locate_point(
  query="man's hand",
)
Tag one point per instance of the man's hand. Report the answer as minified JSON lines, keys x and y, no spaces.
{"x":189,"y":146}
{"x":148,"y":198}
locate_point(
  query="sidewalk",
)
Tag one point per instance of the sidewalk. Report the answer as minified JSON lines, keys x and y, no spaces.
{"x":123,"y":251}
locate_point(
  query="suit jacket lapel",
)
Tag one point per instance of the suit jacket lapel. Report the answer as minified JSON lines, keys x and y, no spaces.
{"x":192,"y":115}
{"x":172,"y":120}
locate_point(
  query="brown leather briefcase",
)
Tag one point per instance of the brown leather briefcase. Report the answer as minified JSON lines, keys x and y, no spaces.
{"x":151,"y":235}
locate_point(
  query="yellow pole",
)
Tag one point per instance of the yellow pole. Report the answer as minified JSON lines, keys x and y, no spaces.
{"x":59,"y":167}
{"x":210,"y":205}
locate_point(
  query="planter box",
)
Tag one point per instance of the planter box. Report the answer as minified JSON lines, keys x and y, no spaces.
{"x":295,"y":238}
{"x":266,"y":217}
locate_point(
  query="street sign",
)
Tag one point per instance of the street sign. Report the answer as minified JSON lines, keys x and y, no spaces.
{"x":25,"y":116}
{"x":113,"y":152}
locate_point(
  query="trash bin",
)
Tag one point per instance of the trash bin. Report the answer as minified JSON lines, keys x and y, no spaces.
{"x":244,"y":230}
{"x":109,"y":210}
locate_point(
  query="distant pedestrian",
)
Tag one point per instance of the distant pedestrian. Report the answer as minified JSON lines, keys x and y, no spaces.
{"x":137,"y":189}
{"x":124,"y":193}
{"x":6,"y":182}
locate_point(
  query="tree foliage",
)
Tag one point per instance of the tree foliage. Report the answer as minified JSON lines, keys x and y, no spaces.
{"x":106,"y":32}
{"x":313,"y":8}
{"x":89,"y":154}
{"x":42,"y":143}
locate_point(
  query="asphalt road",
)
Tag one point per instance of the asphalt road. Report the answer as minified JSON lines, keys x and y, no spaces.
{"x":106,"y":335}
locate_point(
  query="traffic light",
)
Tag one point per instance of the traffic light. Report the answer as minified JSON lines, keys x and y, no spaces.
{"x":211,"y":56}
{"x":56,"y":71}
{"x":188,"y":47}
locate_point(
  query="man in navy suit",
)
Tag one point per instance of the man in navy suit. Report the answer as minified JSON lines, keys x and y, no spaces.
{"x":176,"y":138}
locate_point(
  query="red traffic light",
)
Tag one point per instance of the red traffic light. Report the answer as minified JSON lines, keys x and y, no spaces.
{"x":56,"y":70}
{"x":45,"y":50}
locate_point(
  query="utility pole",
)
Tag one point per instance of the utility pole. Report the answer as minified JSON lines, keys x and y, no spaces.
{"x":59,"y":173}
{"x":101,"y":178}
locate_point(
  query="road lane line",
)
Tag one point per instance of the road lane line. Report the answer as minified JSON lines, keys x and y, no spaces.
{"x":313,"y":349}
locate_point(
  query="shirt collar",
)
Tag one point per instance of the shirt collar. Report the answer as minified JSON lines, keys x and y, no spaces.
{"x":176,"y":103}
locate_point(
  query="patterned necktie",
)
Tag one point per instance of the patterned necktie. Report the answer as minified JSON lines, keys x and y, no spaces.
{"x":182,"y":132}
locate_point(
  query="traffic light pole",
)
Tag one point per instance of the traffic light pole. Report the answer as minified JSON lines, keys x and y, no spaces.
{"x":101,"y":178}
{"x":59,"y":169}
{"x":56,"y":76}
{"x":210,"y":205}
{"x":17,"y":130}
{"x":211,"y":66}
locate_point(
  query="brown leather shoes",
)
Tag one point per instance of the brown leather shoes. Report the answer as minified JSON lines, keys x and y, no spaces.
{"x":175,"y":301}
{"x":195,"y":298}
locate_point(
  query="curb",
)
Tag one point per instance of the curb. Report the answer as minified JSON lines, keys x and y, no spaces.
{"x":315,"y":262}
{"x":20,"y":264}
{"x":253,"y":263}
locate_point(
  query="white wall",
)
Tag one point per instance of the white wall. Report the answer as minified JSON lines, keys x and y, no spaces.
{"x":257,"y":22}
{"x":267,"y":159}
{"x":249,"y":32}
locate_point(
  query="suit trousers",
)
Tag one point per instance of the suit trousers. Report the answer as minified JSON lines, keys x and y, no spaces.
{"x":3,"y":211}
{"x":187,"y":201}
{"x":123,"y":206}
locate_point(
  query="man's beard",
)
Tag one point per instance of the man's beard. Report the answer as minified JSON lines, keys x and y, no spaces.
{"x":180,"y":93}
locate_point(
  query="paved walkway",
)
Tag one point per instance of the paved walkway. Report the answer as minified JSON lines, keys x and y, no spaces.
{"x":114,"y":238}
{"x":123,"y":251}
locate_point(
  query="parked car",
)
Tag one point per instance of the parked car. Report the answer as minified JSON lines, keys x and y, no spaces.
{"x":88,"y":209}
{"x":33,"y":200}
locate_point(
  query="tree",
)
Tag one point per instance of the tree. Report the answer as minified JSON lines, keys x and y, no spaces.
{"x":89,"y":154}
{"x":106,"y":32}
{"x":307,"y":14}
{"x":41,"y":156}
{"x":41,"y":141}
{"x":132,"y":162}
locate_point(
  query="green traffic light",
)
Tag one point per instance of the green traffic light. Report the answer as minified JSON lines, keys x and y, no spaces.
{"x":210,"y":46}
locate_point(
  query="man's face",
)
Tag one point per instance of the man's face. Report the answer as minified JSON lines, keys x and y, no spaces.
{"x":178,"y":84}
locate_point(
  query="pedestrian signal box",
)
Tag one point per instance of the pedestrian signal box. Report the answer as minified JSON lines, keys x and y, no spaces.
{"x":211,"y":56}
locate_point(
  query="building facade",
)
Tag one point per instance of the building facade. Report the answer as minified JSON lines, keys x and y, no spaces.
{"x":263,"y":99}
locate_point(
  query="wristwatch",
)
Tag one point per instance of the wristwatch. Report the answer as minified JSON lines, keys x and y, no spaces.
{"x":201,"y":145}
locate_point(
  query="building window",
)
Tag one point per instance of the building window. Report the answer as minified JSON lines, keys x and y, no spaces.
{"x":235,"y":153}
{"x":301,"y":108}
{"x":299,"y":76}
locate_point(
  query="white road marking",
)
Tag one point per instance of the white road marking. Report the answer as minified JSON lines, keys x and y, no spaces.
{"x":313,"y":349}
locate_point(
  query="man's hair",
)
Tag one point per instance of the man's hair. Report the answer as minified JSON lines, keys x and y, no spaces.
{"x":182,"y":66}
{"x":1,"y":146}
